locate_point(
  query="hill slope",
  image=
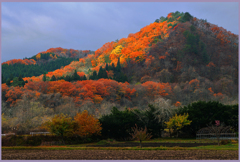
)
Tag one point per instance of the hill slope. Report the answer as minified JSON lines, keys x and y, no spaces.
{"x":43,"y":62}
{"x":174,"y":61}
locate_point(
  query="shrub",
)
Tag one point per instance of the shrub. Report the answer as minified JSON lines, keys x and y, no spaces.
{"x":26,"y":140}
{"x":103,"y":142}
{"x":234,"y":140}
{"x":225,"y":142}
{"x":33,"y":140}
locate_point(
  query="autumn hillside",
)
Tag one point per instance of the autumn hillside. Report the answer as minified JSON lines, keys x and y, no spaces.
{"x":43,"y":62}
{"x":175,"y":61}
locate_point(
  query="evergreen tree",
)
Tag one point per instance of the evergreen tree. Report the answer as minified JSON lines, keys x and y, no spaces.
{"x":68,"y":78}
{"x":61,"y":78}
{"x":44,"y":78}
{"x":20,"y":81}
{"x":15,"y":82}
{"x":104,"y":75}
{"x":84,"y":78}
{"x":106,"y":67}
{"x":113,"y":67}
{"x":118,"y":68}
{"x":100,"y":73}
{"x":121,"y":77}
{"x":75,"y":76}
{"x":94,"y":76}
{"x":3,"y":79}
{"x":8,"y":82}
{"x":11,"y":77}
{"x":53,"y":78}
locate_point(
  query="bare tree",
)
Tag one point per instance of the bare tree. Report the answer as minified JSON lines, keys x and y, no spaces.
{"x":140,"y":134}
{"x":217,"y":129}
{"x":164,"y":109}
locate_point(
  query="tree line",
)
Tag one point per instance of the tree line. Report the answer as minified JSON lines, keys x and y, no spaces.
{"x":118,"y":124}
{"x":184,"y":121}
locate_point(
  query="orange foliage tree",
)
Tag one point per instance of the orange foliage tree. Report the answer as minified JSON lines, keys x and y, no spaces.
{"x":87,"y":124}
{"x":177,"y":104}
{"x":20,"y":61}
{"x":14,"y":94}
{"x":155,"y":89}
{"x":194,"y":83}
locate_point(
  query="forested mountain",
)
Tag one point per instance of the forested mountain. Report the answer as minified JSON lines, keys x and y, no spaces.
{"x":173,"y":61}
{"x":43,"y":62}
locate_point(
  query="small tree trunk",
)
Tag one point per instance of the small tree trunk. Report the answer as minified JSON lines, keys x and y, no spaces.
{"x":140,"y":143}
{"x":218,"y":138}
{"x":63,"y":140}
{"x":175,"y":131}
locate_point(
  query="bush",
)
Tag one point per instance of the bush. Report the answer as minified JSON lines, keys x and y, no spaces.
{"x":103,"y":142}
{"x":225,"y":142}
{"x":27,"y":140}
{"x":233,"y":141}
{"x":33,"y":140}
{"x":111,"y":140}
{"x":108,"y":141}
{"x":7,"y":141}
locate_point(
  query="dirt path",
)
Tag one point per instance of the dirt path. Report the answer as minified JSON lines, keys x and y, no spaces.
{"x":119,"y":154}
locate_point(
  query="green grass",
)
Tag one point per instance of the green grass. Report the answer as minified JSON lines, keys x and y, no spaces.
{"x":180,"y":140}
{"x":161,"y":140}
{"x":210,"y":147}
{"x":216,"y":147}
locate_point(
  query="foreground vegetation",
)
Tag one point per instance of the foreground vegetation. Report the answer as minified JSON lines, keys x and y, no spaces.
{"x":119,"y":124}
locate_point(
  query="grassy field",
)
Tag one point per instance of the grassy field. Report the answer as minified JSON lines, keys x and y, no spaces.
{"x":211,"y":147}
{"x":230,"y":146}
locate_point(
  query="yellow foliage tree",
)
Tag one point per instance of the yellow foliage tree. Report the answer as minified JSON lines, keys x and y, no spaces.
{"x":38,"y":56}
{"x":61,"y":125}
{"x":177,"y":122}
{"x":116,"y":53}
{"x":51,"y":55}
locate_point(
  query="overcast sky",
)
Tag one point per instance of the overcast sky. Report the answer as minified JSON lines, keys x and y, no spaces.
{"x":29,"y":27}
